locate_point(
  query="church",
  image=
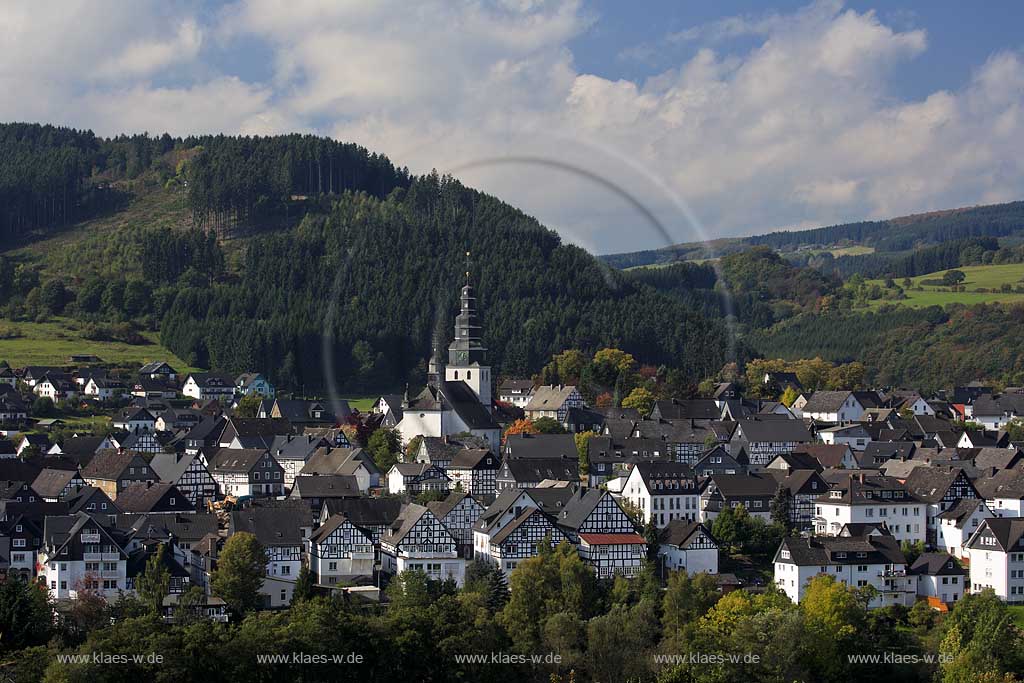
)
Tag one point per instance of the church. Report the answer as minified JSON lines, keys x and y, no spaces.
{"x":457,"y":398}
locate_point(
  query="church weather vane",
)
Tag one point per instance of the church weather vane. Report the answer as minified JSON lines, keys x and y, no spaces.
{"x":467,"y":267}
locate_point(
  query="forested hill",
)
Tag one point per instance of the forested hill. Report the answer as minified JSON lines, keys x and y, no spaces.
{"x":354,"y":261}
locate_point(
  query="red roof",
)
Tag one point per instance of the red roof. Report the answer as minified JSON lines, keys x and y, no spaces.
{"x":612,"y":539}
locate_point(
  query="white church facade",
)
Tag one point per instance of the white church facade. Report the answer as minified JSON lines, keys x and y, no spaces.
{"x":457,"y":398}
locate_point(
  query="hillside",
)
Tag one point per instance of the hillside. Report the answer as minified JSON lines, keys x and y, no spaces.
{"x":855,"y":244}
{"x":292,"y":254}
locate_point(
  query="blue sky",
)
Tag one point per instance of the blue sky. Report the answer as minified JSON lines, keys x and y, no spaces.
{"x":719,"y":118}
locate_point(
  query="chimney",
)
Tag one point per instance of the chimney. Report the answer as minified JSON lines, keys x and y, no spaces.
{"x":860,"y":477}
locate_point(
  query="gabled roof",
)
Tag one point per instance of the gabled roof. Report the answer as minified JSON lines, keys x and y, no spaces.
{"x":525,"y":446}
{"x":738,"y":485}
{"x":962,"y":511}
{"x":366,"y":512}
{"x":171,"y":466}
{"x":77,"y":501}
{"x":758,"y":429}
{"x":410,"y":514}
{"x":272,"y":526}
{"x":471,"y":458}
{"x":51,"y":482}
{"x":332,"y":524}
{"x":143,"y":497}
{"x":325,"y":486}
{"x":826,"y":401}
{"x":539,"y":469}
{"x":467,"y":405}
{"x":937,"y":564}
{"x":550,"y":397}
{"x":1008,"y":532}
{"x":236,"y":459}
{"x":108,"y":464}
{"x":680,"y":532}
{"x":929,"y":484}
{"x":441,"y":508}
{"x":832,"y":550}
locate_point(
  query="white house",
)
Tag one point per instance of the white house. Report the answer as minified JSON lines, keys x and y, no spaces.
{"x":996,"y":553}
{"x":1004,"y":492}
{"x":876,"y":500}
{"x":832,"y":406}
{"x":253,"y":383}
{"x":870,"y":560}
{"x":957,"y":524}
{"x":247,"y":472}
{"x":855,"y":436}
{"x":516,"y":392}
{"x":207,"y":386}
{"x":663,"y":492}
{"x":339,"y":550}
{"x":939,"y":576}
{"x":417,"y":540}
{"x":79,"y":553}
{"x":688,"y":546}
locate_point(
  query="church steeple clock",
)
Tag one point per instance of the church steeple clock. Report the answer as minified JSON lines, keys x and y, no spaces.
{"x":467,"y":355}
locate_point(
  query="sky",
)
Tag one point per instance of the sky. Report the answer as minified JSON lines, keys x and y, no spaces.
{"x":623,"y":126}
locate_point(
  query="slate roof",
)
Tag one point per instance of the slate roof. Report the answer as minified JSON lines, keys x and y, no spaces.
{"x":366,"y":512}
{"x":170,"y":466}
{"x":679,"y":532}
{"x":1002,"y":484}
{"x":107,"y":464}
{"x":961,"y":511}
{"x":236,"y":459}
{"x":1008,"y":531}
{"x":539,"y":469}
{"x":143,"y":497}
{"x":937,"y":564}
{"x":471,"y":458}
{"x":525,"y":446}
{"x":929,"y":484}
{"x":272,"y":526}
{"x":51,"y":482}
{"x":679,"y":409}
{"x":410,"y":514}
{"x":825,"y":401}
{"x":325,"y":486}
{"x":757,"y":430}
{"x":828,"y":550}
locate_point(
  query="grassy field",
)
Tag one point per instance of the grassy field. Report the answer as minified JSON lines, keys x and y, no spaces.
{"x":362,"y":403}
{"x":51,"y":343}
{"x":984,"y":277}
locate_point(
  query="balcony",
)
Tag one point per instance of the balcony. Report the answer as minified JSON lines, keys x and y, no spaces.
{"x":99,"y":557}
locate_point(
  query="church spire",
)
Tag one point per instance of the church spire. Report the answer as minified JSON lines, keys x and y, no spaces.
{"x":467,"y":347}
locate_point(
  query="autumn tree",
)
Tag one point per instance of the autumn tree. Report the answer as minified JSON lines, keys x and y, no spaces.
{"x":522,"y":426}
{"x":641,"y":399}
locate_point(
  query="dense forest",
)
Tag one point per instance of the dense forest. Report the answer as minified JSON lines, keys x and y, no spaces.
{"x":929,"y":348}
{"x":379,"y":280}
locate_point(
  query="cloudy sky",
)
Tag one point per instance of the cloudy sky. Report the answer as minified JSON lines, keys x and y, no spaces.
{"x":717,"y":118}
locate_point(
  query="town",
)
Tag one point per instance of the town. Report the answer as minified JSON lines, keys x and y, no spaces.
{"x":912,"y":498}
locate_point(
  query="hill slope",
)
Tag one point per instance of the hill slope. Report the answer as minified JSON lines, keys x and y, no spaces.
{"x":865,"y":242}
{"x":294,"y":254}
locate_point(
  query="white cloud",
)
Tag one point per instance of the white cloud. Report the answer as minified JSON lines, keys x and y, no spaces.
{"x":798,"y":127}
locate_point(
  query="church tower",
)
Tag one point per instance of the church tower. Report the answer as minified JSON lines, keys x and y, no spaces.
{"x":466,"y":354}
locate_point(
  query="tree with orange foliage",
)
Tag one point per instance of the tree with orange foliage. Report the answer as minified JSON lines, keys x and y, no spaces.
{"x":604,"y":400}
{"x":523,"y":426}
